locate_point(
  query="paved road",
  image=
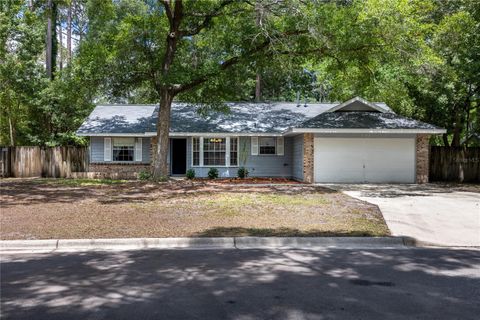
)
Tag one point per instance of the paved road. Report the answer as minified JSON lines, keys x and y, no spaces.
{"x":243,"y":284}
{"x":431,"y":213}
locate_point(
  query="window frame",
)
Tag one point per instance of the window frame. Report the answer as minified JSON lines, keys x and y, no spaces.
{"x":200,"y":147}
{"x":227,"y":151}
{"x":214,"y":150}
{"x":113,"y":150}
{"x":260,"y":146}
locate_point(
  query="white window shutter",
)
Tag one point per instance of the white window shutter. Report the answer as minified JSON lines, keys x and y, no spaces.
{"x":227,"y":154}
{"x":201,"y":151}
{"x":138,"y":149}
{"x":254,"y":146}
{"x":280,"y":146}
{"x":107,"y":149}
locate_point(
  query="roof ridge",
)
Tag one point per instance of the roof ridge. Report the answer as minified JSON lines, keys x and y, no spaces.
{"x":235,"y":102}
{"x":123,"y":104}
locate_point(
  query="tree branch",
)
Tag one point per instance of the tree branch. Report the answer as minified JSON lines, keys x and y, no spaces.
{"x":174,"y":18}
{"x":231,"y":62}
{"x":207,"y":20}
{"x":168,"y":10}
{"x":223,"y":66}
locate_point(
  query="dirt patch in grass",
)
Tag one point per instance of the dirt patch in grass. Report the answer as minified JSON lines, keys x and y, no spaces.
{"x":49,"y":208}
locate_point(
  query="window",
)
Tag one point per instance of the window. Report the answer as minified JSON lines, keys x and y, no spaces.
{"x":196,"y":151}
{"x":123,"y":149}
{"x":214,"y":152}
{"x":233,"y":151}
{"x":267,"y":145}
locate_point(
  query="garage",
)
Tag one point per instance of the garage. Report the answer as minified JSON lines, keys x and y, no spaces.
{"x":360,"y":160}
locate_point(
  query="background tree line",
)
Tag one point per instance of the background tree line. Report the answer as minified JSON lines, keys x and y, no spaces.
{"x":59,"y":57}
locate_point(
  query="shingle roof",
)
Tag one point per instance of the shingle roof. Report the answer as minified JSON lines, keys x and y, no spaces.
{"x":118,"y":119}
{"x":242,"y":118}
{"x":363,"y":120}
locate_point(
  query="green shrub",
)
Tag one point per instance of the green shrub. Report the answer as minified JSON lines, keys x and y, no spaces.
{"x":213,"y":173}
{"x":242,"y":172}
{"x":190,"y":174}
{"x":144,"y":175}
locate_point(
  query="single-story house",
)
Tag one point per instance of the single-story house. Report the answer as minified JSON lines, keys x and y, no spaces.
{"x":355,"y":141}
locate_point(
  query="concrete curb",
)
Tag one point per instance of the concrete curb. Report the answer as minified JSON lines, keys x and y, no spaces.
{"x":66,"y":245}
{"x":319,"y":242}
{"x":116,"y":244}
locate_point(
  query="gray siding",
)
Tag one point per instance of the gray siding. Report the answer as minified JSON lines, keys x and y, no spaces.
{"x":297,"y":157}
{"x":258,"y":166}
{"x":96,"y":150}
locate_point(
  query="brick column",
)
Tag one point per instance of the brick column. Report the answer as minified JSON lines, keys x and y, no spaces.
{"x":423,"y":157}
{"x":308,"y":158}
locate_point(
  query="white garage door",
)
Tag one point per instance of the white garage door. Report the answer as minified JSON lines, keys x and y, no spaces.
{"x":358,"y":160}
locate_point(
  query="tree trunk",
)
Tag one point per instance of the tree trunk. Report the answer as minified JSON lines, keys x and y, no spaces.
{"x":445,"y":140}
{"x":457,"y":130}
{"x":258,"y":80}
{"x":60,"y":38}
{"x":51,"y":39}
{"x":48,"y":41}
{"x":258,"y":88}
{"x":54,"y":37}
{"x":12,"y":137}
{"x":160,"y":165}
{"x":69,"y":33}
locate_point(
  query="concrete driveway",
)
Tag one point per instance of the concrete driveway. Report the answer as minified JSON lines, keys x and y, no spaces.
{"x":438,"y":214}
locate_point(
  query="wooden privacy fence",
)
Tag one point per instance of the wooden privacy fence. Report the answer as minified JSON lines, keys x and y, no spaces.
{"x":4,"y":162}
{"x":457,"y":164}
{"x":55,"y":162}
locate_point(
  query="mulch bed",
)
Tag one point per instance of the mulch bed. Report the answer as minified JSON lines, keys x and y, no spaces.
{"x":252,"y":180}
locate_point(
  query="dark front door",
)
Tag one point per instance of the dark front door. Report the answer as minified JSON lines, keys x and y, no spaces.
{"x":179,"y":156}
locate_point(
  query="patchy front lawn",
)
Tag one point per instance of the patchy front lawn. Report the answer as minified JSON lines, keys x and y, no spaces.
{"x":49,"y":208}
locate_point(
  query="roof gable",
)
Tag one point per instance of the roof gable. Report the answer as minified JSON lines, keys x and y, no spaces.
{"x":358,"y":104}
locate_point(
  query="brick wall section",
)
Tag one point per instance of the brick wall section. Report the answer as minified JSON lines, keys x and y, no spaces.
{"x":118,"y":167}
{"x":117,"y":170}
{"x":121,"y":170}
{"x":423,"y":157}
{"x":308,"y":174}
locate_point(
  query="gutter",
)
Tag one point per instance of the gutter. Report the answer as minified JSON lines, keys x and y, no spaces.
{"x":374,"y":131}
{"x":260,"y":134}
{"x":183,"y":134}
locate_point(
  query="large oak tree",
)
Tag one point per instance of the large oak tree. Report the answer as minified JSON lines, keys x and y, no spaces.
{"x":198,"y":49}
